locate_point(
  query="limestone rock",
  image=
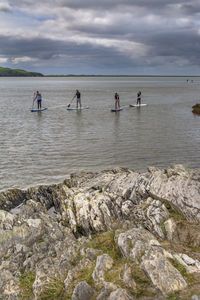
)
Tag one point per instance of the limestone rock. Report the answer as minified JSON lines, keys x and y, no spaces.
{"x":103,"y":264}
{"x":127,"y":278}
{"x":163,"y":275}
{"x":170,"y":227}
{"x":120,"y":294}
{"x":82,"y":291}
{"x":108,"y":287}
{"x":133,"y":243}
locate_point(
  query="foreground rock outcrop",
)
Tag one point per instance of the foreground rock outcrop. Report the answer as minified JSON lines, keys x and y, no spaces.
{"x":116,"y":234}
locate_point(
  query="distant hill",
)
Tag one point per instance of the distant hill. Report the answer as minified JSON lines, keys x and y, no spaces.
{"x":18,"y":72}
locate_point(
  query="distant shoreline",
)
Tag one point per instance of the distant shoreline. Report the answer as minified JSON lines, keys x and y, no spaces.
{"x":70,"y":75}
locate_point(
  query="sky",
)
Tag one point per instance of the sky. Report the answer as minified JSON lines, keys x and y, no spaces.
{"x":101,"y":37}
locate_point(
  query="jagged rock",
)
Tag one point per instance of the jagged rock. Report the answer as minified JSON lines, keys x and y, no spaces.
{"x":157,"y":214}
{"x":9,"y":285}
{"x":120,"y":294}
{"x":82,"y":291}
{"x":108,"y":287}
{"x":45,"y":272}
{"x":91,"y":254}
{"x":191,"y":265}
{"x":127,"y":278}
{"x":195,"y":297}
{"x":85,"y":263}
{"x":170,"y":227}
{"x":133,"y":243}
{"x":6,"y":220}
{"x":104,"y":263}
{"x":162,"y":274}
{"x":178,"y":185}
{"x":187,"y":234}
{"x":46,"y":230}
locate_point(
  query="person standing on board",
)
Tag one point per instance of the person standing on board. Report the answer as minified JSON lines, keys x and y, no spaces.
{"x":78,"y":98}
{"x":39,"y":99}
{"x":117,"y":104}
{"x":139,"y":97}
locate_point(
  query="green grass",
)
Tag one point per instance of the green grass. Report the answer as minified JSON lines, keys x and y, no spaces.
{"x":54,"y":290}
{"x":26,"y":281}
{"x":105,"y":242}
{"x":187,"y":276}
{"x":174,"y":211}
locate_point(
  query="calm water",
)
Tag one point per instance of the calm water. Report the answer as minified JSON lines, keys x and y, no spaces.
{"x":41,"y":148}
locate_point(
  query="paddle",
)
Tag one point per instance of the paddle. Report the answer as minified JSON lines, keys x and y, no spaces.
{"x":70,"y":102}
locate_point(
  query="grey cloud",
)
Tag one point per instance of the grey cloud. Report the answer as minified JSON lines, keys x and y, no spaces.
{"x":5,"y":8}
{"x":103,"y":4}
{"x":191,"y":8}
{"x":47,"y":49}
{"x":164,"y":37}
{"x":183,"y":45}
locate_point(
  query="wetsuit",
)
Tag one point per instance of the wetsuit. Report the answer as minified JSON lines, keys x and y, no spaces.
{"x":139,"y":98}
{"x":39,"y":101}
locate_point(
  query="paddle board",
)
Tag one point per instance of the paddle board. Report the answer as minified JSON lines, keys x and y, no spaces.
{"x":74,"y":108}
{"x":115,"y":110}
{"x":137,"y":105}
{"x":33,"y":110}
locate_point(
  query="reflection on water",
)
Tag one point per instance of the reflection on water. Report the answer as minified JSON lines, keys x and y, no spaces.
{"x":45,"y":147}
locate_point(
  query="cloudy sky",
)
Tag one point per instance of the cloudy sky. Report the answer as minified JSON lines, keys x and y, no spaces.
{"x":116,"y":37}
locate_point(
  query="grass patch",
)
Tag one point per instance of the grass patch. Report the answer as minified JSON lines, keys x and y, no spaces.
{"x":26,"y":281}
{"x":54,"y":290}
{"x":143,"y":284}
{"x":163,"y":229}
{"x":173,"y":211}
{"x":187,"y":276}
{"x":173,"y":297}
{"x":106,"y":243}
{"x":82,"y":275}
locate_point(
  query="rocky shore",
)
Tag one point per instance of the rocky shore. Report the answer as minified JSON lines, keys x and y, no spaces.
{"x":111,"y":235}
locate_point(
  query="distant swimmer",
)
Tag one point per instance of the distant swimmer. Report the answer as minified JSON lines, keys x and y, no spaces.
{"x":117,"y":104}
{"x":139,"y":97}
{"x":78,"y":98}
{"x":39,"y":99}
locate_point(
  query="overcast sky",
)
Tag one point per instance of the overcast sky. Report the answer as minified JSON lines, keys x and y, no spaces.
{"x":101,"y":36}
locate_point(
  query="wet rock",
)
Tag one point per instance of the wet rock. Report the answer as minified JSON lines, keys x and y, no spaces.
{"x":196,"y":109}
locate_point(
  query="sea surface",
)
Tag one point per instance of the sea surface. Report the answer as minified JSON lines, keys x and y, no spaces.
{"x":45,"y":147}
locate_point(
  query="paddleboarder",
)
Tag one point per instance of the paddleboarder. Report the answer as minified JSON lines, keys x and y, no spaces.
{"x":139,"y":97}
{"x":117,"y":104}
{"x":78,"y":98}
{"x":39,"y":99}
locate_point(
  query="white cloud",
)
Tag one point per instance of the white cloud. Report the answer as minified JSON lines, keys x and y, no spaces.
{"x":23,"y":59}
{"x":3,"y":59}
